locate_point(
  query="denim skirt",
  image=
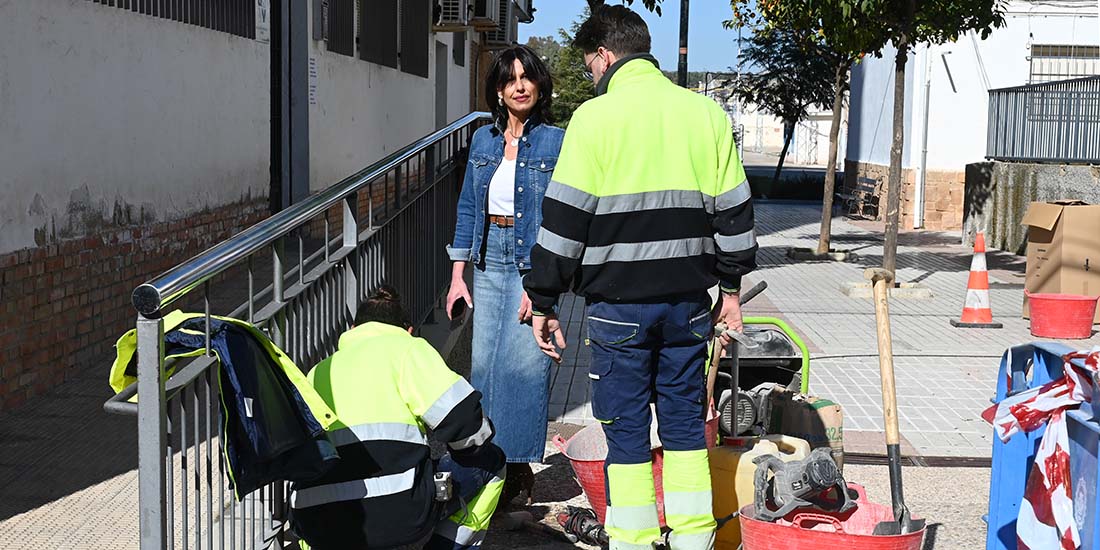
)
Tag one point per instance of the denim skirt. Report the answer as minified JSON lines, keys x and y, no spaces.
{"x":509,"y":370}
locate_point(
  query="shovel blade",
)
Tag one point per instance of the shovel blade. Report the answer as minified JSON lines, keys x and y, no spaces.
{"x":903,"y":527}
{"x":887,"y":529}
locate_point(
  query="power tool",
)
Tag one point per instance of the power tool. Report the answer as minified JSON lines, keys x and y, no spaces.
{"x":781,"y":487}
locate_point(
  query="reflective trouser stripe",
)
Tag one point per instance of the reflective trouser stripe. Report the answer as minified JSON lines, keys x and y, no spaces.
{"x":451,"y":536}
{"x":688,"y":502}
{"x":620,"y":545}
{"x":466,"y":528}
{"x":695,"y":541}
{"x":632,"y":506}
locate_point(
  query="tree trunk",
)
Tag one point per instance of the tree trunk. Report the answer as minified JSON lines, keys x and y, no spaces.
{"x":782,"y":157}
{"x":840,"y":82}
{"x":893,"y":192}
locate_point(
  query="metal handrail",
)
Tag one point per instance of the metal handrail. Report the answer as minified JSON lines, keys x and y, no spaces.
{"x":150,"y":298}
{"x":1049,"y":122}
{"x":1052,"y":85}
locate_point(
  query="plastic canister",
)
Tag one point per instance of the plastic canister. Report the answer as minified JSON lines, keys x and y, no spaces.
{"x":732,"y":471}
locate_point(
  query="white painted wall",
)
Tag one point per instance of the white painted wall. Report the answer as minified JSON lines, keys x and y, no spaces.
{"x":871,"y":109}
{"x":104,"y":109}
{"x":365,"y":111}
{"x":957,"y":116}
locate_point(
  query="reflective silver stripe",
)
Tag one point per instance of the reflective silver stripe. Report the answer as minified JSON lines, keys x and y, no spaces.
{"x":460,"y":534}
{"x":572,"y":196}
{"x":442,"y":406}
{"x":693,"y":541}
{"x":388,"y":431}
{"x":734,"y":197}
{"x":620,"y":545}
{"x":633,"y":518}
{"x":689,"y":504}
{"x":559,"y":245}
{"x":353,"y":490}
{"x":475,"y":440}
{"x":653,"y":200}
{"x":736,"y":243}
{"x":653,"y":250}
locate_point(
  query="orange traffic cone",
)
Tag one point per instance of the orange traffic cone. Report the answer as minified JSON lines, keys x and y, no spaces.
{"x":976,"y":311}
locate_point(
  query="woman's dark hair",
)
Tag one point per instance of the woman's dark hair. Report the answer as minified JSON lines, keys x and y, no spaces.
{"x":617,"y":28}
{"x":501,"y":72}
{"x":383,"y":306}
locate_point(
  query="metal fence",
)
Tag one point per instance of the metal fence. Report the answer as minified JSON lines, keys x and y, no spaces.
{"x":1051,"y":122}
{"x":298,"y":276}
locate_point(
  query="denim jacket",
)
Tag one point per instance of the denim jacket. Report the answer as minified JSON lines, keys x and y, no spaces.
{"x":538,"y":153}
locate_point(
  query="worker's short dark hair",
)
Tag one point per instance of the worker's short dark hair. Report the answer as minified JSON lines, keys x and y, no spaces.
{"x":617,"y":28}
{"x":383,"y":306}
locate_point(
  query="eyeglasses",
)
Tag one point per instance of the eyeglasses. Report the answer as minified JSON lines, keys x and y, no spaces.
{"x":587,"y":72}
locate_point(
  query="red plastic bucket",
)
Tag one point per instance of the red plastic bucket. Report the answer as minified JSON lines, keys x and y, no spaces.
{"x":586,"y":452}
{"x":1066,"y":316}
{"x":851,"y":530}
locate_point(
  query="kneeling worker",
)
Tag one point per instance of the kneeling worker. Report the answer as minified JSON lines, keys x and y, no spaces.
{"x":387,"y":387}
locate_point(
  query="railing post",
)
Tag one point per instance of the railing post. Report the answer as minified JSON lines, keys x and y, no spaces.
{"x":152,"y":435}
{"x":278,"y":292}
{"x":351,"y":260}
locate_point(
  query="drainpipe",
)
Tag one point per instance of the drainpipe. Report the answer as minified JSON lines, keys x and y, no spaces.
{"x":922,"y":170}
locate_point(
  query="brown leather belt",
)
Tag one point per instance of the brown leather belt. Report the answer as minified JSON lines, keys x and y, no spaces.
{"x":502,"y":221}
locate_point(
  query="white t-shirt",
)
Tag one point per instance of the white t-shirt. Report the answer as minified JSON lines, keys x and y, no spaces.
{"x":502,"y":189}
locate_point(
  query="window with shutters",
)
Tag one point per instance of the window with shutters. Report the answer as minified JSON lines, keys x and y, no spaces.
{"x":236,"y":17}
{"x":1051,"y":62}
{"x":341,"y":27}
{"x":458,"y":48}
{"x":378,"y":32}
{"x":415,"y":27}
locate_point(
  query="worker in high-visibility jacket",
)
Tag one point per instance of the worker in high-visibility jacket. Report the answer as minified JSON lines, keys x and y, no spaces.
{"x":647,"y":210}
{"x":387,"y":388}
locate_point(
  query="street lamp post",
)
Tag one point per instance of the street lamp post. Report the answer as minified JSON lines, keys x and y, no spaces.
{"x":682,"y":72}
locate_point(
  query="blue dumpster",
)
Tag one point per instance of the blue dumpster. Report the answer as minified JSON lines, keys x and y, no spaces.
{"x":1022,"y":368}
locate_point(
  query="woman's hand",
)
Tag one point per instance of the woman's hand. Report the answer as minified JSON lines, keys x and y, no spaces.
{"x":458,"y":289}
{"x":525,"y":308}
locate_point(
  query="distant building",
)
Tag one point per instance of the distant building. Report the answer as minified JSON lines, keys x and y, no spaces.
{"x":1042,"y":41}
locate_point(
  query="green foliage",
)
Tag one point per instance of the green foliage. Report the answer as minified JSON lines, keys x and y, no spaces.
{"x":788,"y":73}
{"x":566,"y":63}
{"x":651,"y":5}
{"x":859,"y":27}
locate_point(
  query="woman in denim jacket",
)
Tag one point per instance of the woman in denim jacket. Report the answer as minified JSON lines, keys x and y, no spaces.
{"x":499,"y":212}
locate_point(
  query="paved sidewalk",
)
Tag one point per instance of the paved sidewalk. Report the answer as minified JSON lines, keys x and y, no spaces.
{"x":67,"y":469}
{"x":945,"y":376}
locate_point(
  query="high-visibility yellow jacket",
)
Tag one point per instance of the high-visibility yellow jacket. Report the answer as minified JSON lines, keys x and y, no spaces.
{"x":387,"y":388}
{"x":648,"y":198}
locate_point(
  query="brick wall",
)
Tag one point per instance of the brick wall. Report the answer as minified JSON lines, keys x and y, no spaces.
{"x":62,"y":306}
{"x":943,"y":200}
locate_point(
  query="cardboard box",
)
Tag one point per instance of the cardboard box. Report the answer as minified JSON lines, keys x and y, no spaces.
{"x":818,"y":421}
{"x":1063,"y":249}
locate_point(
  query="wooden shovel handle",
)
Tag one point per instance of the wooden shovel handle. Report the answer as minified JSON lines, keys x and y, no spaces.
{"x":880,"y":278}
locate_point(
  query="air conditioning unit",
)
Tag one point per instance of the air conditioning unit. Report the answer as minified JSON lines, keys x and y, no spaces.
{"x":504,"y":35}
{"x":486,"y":14}
{"x":452,"y":16}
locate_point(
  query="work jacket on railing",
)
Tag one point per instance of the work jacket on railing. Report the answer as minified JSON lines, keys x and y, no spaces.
{"x":274,"y":422}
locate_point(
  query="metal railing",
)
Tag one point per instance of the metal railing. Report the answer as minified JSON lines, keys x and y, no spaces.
{"x":1050,"y":122}
{"x":387,"y":223}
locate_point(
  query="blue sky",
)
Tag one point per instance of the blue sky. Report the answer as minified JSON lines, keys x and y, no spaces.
{"x":710,"y":47}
